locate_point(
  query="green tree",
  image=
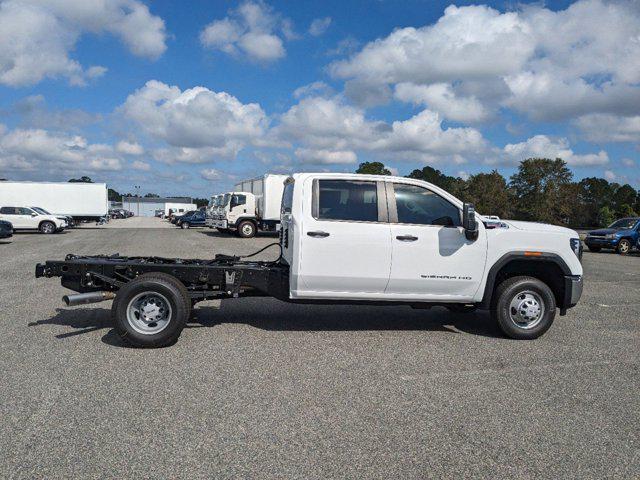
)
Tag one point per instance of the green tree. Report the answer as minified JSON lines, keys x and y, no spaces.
{"x":489,"y":193}
{"x":200,"y":202}
{"x":542,"y":190}
{"x":83,"y":179}
{"x":593,"y":194}
{"x":453,"y":185}
{"x":152,"y":195}
{"x":373,"y":168}
{"x":605,"y":217}
{"x":623,"y":200}
{"x":113,"y":195}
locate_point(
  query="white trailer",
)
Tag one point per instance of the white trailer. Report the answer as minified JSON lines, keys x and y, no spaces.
{"x":179,"y":208}
{"x":82,"y":201}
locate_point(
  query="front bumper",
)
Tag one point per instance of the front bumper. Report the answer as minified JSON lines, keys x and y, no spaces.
{"x":601,"y":242}
{"x":573,"y":285}
{"x":218,"y":223}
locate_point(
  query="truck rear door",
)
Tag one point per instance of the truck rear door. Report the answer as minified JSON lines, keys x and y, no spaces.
{"x":345,"y":239}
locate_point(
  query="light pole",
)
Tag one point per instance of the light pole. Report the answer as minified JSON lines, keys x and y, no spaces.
{"x":137,"y":187}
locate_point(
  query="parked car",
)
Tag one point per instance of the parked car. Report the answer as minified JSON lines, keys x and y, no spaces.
{"x":67,"y":218}
{"x":620,"y":236}
{"x":6,"y":229}
{"x":176,"y":218}
{"x":25,"y":218}
{"x":196,"y":219}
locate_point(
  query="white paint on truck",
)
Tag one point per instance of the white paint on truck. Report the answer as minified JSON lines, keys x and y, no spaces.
{"x":87,"y":200}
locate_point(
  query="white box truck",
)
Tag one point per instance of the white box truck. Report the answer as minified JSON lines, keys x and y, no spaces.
{"x":82,"y":201}
{"x":253,"y":205}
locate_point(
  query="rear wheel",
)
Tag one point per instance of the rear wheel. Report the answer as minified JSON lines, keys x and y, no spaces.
{"x":525,"y":307}
{"x":246,"y":229}
{"x":151,"y":310}
{"x":47,"y":227}
{"x":594,"y":249}
{"x":624,"y":246}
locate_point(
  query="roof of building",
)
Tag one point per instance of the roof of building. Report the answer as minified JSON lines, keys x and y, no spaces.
{"x":157,"y":199}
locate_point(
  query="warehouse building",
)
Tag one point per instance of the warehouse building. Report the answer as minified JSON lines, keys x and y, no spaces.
{"x":146,"y":207}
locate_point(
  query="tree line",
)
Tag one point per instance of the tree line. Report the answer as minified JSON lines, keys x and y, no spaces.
{"x":542,"y":190}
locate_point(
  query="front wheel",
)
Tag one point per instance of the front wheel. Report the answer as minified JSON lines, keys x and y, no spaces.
{"x":525,"y":307}
{"x":151,"y":310}
{"x":246,"y":229}
{"x":47,"y":228}
{"x":624,"y":247}
{"x":185,"y":225}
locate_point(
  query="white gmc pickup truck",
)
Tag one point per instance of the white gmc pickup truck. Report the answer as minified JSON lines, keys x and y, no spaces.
{"x":352,"y":238}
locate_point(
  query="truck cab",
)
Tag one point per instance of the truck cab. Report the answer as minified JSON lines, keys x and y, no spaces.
{"x":237,"y":211}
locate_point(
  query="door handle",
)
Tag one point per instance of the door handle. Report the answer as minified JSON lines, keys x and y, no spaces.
{"x":407,"y":238}
{"x":318,"y":234}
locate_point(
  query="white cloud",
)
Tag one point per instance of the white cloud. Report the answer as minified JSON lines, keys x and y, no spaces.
{"x":442,"y":98}
{"x":211,"y":174}
{"x":542,"y":146}
{"x":610,"y":175}
{"x":609,"y":128}
{"x":545,"y":64}
{"x":30,"y":149}
{"x":328,"y":157}
{"x":312,"y":89}
{"x":319,"y":26}
{"x":129,"y":148}
{"x":329,"y":126}
{"x":198,"y":122}
{"x":252,"y":30}
{"x":141,"y":166}
{"x":627,"y":162}
{"x":36,"y":38}
{"x":32,"y":112}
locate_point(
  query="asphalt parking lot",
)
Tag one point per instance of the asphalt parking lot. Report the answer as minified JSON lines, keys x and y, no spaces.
{"x":257,"y":388}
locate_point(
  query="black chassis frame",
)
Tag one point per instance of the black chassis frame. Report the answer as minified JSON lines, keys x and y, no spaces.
{"x":226,"y":277}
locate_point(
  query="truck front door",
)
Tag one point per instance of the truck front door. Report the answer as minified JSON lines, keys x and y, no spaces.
{"x":346,"y":240}
{"x":432,"y":258}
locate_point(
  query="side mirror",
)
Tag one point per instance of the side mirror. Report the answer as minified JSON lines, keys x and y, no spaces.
{"x":469,"y":222}
{"x":34,"y":214}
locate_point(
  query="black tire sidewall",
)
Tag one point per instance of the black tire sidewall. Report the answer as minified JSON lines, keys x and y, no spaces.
{"x":504,"y":301}
{"x":179,"y":313}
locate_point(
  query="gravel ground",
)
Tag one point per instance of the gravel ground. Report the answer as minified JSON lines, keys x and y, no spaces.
{"x":256,"y":388}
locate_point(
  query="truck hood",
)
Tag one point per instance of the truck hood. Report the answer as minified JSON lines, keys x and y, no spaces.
{"x":540,"y":227}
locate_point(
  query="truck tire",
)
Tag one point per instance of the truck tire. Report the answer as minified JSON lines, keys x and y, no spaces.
{"x":185,"y":225}
{"x":524,"y":307}
{"x":47,"y":228}
{"x":624,"y":246}
{"x":247,"y":229}
{"x":151,"y":310}
{"x":594,"y":249}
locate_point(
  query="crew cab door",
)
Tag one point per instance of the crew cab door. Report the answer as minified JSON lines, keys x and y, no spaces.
{"x":432,"y":258}
{"x":345,"y":240}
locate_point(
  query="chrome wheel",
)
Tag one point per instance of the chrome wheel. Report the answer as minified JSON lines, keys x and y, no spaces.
{"x":624,"y":246}
{"x":149,"y":313}
{"x":48,"y":227}
{"x":526,"y":309}
{"x":247,"y":229}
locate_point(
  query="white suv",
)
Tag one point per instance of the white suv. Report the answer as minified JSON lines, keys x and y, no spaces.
{"x":25,"y":218}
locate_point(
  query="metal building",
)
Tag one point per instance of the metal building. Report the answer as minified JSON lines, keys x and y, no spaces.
{"x":146,"y":207}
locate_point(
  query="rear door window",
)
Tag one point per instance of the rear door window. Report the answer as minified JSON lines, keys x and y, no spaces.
{"x":350,"y":200}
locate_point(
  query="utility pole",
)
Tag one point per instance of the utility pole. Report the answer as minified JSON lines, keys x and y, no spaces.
{"x":137,"y":187}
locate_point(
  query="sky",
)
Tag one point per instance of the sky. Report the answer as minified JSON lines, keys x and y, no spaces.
{"x":187,"y":98}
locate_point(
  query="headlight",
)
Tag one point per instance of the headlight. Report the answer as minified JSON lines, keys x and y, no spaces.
{"x":610,"y":236}
{"x":576,"y":246}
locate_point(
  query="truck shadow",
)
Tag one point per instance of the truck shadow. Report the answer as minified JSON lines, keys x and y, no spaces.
{"x":283,"y":317}
{"x":215,"y":233}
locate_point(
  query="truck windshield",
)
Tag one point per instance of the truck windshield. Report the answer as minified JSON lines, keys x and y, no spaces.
{"x":225,"y":200}
{"x":624,"y":223}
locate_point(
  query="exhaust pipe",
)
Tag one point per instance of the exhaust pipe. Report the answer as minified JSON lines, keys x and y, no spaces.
{"x":83,"y":298}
